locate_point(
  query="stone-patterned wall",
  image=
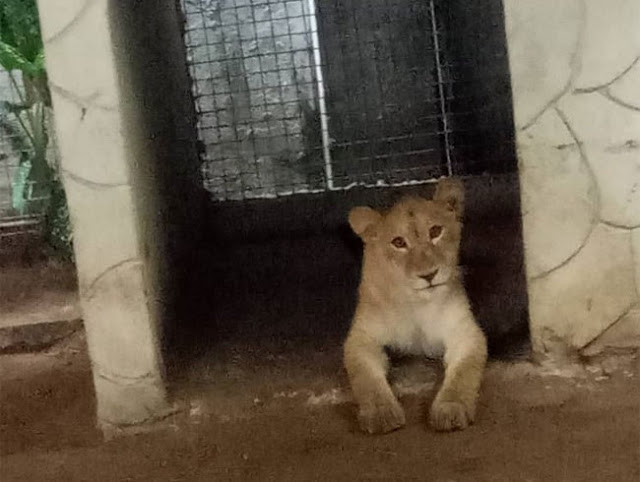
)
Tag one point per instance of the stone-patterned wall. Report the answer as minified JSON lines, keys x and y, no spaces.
{"x":575,"y":68}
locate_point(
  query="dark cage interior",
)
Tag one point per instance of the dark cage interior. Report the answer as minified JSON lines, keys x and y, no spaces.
{"x":382,"y":64}
{"x":306,"y":109}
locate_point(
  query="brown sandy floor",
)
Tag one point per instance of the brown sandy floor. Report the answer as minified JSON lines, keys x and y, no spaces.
{"x":39,"y":291}
{"x":281,"y":413}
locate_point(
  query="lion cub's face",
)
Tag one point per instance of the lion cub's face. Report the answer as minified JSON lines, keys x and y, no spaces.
{"x":416,"y":243}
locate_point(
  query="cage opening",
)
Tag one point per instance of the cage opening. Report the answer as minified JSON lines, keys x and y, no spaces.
{"x":295,"y":96}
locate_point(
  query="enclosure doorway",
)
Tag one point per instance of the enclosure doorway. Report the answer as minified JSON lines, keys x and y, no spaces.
{"x":307,"y":108}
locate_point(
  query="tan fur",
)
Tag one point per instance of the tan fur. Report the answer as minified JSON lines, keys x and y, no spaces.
{"x":399,"y":307}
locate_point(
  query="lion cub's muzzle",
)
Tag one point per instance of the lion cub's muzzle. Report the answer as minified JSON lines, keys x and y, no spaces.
{"x":429,"y":276}
{"x":432,"y":280}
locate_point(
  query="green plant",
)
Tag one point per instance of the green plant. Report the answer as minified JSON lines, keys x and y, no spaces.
{"x":37,"y":185}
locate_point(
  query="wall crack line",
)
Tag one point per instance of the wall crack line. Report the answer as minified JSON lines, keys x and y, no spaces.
{"x":554,"y":100}
{"x":622,"y":227}
{"x":576,"y":57}
{"x":568,"y":260}
{"x":606,"y":93}
{"x":589,"y":90}
{"x":83,"y":102}
{"x":595,"y":338}
{"x":71,"y":23}
{"x":583,"y":158}
{"x":575,"y":68}
{"x":121,"y":379}
{"x":595,"y":219}
{"x":92,"y":184}
{"x":89,"y":292}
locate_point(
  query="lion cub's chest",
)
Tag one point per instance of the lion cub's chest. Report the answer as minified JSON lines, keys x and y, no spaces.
{"x":416,"y":330}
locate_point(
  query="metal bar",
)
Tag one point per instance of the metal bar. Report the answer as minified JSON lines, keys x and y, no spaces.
{"x":443,"y":110}
{"x":19,"y":223}
{"x":324,"y":119}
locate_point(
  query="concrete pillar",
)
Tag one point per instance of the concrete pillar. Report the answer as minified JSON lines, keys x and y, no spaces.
{"x":103,"y":154}
{"x":575,"y":71}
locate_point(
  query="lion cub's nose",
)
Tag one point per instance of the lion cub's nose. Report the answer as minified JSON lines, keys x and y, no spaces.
{"x":429,"y":277}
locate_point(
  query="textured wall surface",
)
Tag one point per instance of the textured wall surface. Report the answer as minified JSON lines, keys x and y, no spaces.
{"x":575,"y":69}
{"x":98,"y":165}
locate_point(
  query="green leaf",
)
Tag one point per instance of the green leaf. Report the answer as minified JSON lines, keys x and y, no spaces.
{"x":20,"y":27}
{"x":11,"y":59}
{"x":38,"y":62}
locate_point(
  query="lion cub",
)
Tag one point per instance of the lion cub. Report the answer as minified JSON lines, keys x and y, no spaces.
{"x":411,"y":299}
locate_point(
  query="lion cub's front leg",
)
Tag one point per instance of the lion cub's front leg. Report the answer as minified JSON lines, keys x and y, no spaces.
{"x":465,"y":359}
{"x":367,"y":365}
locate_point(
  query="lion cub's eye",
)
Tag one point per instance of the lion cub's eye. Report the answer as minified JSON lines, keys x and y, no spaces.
{"x":435,"y":231}
{"x":399,"y":242}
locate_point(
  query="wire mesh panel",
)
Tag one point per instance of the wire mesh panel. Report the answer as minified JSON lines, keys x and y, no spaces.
{"x":296,"y":97}
{"x":21,"y":199}
{"x":255,"y":87}
{"x":10,"y":148}
{"x":382,"y":64}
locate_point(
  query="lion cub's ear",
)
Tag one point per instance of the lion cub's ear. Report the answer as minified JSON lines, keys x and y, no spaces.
{"x":451,"y":192}
{"x":362,"y":220}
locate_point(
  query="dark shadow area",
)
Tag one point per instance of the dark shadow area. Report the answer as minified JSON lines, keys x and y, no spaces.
{"x":287,"y":271}
{"x":479,"y":86}
{"x":160,"y":122}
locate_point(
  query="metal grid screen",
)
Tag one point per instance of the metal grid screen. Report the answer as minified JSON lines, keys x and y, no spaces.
{"x":22,"y":201}
{"x":298,"y":96}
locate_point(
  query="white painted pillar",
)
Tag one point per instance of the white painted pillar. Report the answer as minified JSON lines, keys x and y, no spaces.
{"x":99,"y":173}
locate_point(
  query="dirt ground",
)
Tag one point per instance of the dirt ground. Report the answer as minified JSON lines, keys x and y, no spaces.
{"x":36,"y":288}
{"x":281,"y":412}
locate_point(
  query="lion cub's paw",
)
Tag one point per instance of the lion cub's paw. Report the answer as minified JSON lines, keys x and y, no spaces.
{"x":450,"y":415}
{"x":382,"y":417}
